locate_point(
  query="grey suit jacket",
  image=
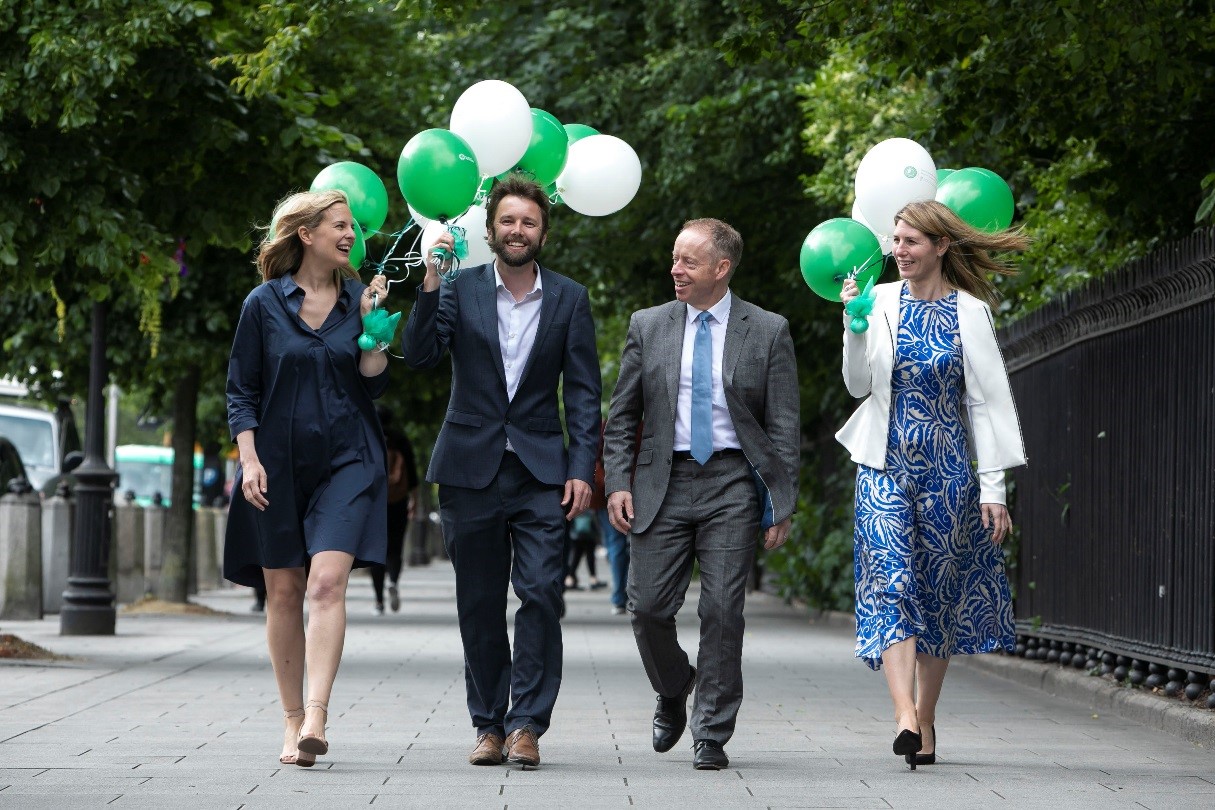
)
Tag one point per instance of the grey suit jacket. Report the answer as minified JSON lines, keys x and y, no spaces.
{"x":759,"y":374}
{"x":462,"y":318}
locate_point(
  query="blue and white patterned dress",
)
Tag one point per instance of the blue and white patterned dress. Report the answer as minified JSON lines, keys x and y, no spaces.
{"x":924,"y":564}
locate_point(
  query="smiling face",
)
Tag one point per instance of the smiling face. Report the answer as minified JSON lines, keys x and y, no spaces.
{"x":918,"y":256}
{"x":517,"y":231}
{"x":332,"y":239}
{"x":701,"y":276}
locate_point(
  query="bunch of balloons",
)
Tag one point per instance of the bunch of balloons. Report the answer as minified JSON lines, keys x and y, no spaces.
{"x":493,"y":132}
{"x":893,"y":173}
{"x":445,"y":176}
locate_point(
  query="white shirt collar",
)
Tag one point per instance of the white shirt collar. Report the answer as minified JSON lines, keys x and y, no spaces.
{"x":720,"y":311}
{"x":501,"y":285}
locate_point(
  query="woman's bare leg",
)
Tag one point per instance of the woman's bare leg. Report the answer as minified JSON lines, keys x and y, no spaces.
{"x":930,"y":677}
{"x":327,"y":581}
{"x":898,"y":662}
{"x":285,"y":640}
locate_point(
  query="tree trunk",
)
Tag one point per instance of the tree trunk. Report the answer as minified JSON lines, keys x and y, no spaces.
{"x":179,"y":523}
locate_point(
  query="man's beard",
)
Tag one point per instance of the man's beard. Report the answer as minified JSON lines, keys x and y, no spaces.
{"x":515,"y":259}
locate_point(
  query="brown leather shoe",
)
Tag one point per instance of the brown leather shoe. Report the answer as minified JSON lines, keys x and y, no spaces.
{"x":488,"y":750}
{"x":522,"y":748}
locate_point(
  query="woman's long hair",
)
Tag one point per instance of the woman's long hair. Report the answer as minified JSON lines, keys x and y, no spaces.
{"x":281,"y":251}
{"x":967,"y":261}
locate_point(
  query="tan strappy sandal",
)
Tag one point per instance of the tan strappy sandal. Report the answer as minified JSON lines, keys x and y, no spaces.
{"x":314,"y":744}
{"x":291,"y":737}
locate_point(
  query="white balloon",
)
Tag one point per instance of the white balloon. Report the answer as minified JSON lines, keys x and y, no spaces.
{"x":884,"y":240}
{"x":473,"y":223}
{"x":601,"y":175}
{"x":496,"y":120}
{"x":421,"y":221}
{"x":893,"y":173}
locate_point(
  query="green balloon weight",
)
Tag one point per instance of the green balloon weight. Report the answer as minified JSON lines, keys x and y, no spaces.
{"x":943,"y":173}
{"x":576,"y":132}
{"x":358,"y":251}
{"x":438,"y":174}
{"x":364,"y":189}
{"x":545,"y":155}
{"x":980,"y":197}
{"x":836,"y":249}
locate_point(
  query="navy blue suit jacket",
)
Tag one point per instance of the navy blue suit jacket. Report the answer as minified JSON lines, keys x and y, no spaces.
{"x":461,"y":318}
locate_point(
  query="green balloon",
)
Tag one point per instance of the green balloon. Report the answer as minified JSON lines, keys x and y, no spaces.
{"x":364,"y":189}
{"x":943,"y":173}
{"x":438,"y":174}
{"x":358,"y":251}
{"x":545,"y":155}
{"x":836,"y":249}
{"x":980,"y":197}
{"x":576,"y":132}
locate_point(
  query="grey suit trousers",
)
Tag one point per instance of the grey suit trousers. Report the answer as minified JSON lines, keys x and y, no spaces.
{"x":711,"y":515}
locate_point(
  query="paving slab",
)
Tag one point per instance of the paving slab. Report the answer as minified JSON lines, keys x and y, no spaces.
{"x":175,"y":708}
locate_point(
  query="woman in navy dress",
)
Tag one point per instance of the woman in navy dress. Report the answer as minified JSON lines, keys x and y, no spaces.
{"x":930,"y":580}
{"x":310,"y":497}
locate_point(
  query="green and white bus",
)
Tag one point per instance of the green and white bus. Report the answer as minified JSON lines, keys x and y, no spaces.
{"x":145,"y":470}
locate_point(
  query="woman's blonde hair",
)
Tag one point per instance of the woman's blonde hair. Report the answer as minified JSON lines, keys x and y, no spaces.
{"x":281,"y":251}
{"x":967,"y":261}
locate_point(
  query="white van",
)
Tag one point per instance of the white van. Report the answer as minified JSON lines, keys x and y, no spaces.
{"x":39,"y":438}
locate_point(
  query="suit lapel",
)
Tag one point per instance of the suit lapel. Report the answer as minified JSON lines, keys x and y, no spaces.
{"x":675,"y":329}
{"x":486,"y":295}
{"x":736,"y":335}
{"x":548,"y":308}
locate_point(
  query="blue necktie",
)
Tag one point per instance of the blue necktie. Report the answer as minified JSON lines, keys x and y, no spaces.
{"x":702,"y":391}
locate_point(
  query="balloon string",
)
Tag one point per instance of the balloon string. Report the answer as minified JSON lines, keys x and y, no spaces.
{"x":856,"y":271}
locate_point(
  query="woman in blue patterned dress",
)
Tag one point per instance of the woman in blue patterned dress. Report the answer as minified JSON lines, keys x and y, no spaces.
{"x":930,"y":579}
{"x":309,"y":501}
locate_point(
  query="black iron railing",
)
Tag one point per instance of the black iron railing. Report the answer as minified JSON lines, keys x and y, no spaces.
{"x":1115,"y":385}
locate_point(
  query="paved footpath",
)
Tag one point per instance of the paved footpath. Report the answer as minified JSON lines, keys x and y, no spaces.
{"x":182,"y":712}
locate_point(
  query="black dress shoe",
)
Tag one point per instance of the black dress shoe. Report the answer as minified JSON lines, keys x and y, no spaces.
{"x":709,"y":756}
{"x":671,"y":717}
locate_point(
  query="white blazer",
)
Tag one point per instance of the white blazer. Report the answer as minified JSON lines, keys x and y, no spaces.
{"x":995,"y":432}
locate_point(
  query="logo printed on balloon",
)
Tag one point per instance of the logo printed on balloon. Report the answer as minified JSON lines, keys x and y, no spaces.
{"x":909,"y":172}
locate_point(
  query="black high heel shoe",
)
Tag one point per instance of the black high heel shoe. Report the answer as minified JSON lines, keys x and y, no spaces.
{"x":906,"y":745}
{"x":929,"y":759}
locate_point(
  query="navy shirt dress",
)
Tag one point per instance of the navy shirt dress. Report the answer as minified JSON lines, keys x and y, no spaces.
{"x":316,"y":433}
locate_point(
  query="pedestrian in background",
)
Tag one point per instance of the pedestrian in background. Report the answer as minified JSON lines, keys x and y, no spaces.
{"x":312,"y":484}
{"x":930,"y":579}
{"x":211,"y":489}
{"x":615,"y":542}
{"x":402,"y":481}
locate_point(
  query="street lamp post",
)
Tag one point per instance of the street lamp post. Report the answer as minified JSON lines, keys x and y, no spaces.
{"x":88,"y":602}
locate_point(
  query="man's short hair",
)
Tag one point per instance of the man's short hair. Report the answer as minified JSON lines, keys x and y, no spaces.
{"x":516,"y":186}
{"x":727,"y":242}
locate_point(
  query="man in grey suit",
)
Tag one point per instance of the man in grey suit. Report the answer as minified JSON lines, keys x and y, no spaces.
{"x":713,"y":382}
{"x":507,"y":484}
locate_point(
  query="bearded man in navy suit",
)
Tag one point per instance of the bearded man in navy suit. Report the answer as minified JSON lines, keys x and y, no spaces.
{"x":507,"y":482}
